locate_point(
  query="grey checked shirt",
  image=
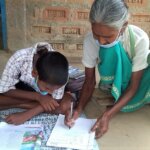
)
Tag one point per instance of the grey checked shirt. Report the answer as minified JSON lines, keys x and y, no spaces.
{"x":19,"y":68}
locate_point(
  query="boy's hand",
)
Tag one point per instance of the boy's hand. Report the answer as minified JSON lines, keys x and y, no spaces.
{"x":17,"y":118}
{"x":71,"y":121}
{"x":21,"y":117}
{"x":48,"y":103}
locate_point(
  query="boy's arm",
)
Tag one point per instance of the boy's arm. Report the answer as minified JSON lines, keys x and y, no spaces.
{"x":19,"y":118}
{"x":10,"y":78}
{"x":21,"y":94}
{"x":46,"y":101}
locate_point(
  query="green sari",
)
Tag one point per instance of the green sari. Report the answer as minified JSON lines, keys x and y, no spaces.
{"x":115,"y":69}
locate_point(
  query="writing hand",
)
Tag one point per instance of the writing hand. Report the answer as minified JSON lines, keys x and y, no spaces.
{"x":71,"y":121}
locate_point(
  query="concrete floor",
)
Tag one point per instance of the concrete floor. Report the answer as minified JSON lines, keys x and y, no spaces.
{"x":127,"y":131}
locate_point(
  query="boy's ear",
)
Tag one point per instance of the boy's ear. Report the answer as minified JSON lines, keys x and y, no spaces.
{"x":34,"y":73}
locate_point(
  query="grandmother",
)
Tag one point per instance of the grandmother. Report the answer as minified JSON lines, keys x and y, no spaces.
{"x":120,"y":51}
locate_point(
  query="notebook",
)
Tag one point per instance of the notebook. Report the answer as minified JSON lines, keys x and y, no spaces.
{"x":78,"y":137}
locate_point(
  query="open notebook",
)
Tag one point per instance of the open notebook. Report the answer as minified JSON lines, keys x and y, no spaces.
{"x":78,"y":137}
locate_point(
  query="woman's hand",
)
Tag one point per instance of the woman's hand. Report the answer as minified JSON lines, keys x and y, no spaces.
{"x":48,"y":103}
{"x":101,"y":125}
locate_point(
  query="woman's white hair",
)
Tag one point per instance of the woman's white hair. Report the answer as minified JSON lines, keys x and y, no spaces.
{"x":113,"y":13}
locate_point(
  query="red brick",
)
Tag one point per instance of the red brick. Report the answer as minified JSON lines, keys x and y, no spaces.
{"x":140,"y":18}
{"x":71,"y":30}
{"x":42,"y":29}
{"x":55,"y":13}
{"x":83,"y":15}
{"x":136,"y":2}
{"x":58,"y":46}
{"x":79,"y":47}
{"x":76,"y":1}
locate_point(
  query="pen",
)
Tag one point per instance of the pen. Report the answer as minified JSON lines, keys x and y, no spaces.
{"x":71,"y":111}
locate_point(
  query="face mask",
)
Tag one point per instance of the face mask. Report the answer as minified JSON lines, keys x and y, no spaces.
{"x":109,"y":45}
{"x":37,"y":88}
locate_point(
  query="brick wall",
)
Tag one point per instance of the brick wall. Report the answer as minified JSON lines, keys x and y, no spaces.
{"x":63,"y":23}
{"x":140,"y":13}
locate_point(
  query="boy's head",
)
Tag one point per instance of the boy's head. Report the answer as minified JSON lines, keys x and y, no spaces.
{"x":51,"y":70}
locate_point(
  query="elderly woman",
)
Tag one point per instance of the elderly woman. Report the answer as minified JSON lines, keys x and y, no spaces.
{"x":121,"y":53}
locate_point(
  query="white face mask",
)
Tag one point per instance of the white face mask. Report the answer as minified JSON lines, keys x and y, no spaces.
{"x":107,"y":45}
{"x":110,"y":44}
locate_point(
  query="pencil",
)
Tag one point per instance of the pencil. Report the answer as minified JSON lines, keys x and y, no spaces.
{"x":71,"y":111}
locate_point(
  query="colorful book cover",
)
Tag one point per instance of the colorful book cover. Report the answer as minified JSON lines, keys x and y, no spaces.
{"x":32,"y":140}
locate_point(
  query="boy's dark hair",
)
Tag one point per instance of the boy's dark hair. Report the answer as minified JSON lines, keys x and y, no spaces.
{"x":52,"y":67}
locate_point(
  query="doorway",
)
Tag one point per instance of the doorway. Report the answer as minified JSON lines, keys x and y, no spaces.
{"x":3,"y":28}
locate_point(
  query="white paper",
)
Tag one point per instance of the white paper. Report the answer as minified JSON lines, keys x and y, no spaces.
{"x":78,"y":137}
{"x":12,"y":136}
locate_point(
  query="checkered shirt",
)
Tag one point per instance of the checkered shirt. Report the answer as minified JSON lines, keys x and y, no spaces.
{"x":19,"y":68}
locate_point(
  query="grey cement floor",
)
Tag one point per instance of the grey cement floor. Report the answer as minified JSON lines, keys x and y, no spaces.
{"x":127,"y":131}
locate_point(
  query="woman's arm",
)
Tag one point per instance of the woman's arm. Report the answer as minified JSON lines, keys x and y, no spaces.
{"x":129,"y":93}
{"x":87,"y":89}
{"x":101,"y":126}
{"x":86,"y":93}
